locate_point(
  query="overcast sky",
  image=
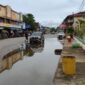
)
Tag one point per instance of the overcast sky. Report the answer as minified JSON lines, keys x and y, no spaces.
{"x":50,"y":12}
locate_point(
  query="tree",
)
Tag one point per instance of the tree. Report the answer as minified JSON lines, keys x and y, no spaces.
{"x":70,"y":30}
{"x":29,"y":19}
{"x":52,"y":29}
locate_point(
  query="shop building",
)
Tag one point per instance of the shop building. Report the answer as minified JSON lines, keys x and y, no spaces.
{"x":9,"y":20}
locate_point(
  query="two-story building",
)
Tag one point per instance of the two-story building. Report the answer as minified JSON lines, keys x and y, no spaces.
{"x":9,"y":19}
{"x":77,"y":21}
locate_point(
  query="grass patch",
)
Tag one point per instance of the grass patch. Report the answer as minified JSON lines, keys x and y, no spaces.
{"x":76,"y":45}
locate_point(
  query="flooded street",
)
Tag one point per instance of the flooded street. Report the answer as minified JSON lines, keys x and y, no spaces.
{"x":38,"y":69}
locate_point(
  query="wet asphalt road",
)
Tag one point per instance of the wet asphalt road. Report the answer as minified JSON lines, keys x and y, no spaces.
{"x":36,"y":70}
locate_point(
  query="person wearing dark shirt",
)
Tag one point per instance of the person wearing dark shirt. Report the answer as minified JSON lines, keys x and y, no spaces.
{"x":26,"y":35}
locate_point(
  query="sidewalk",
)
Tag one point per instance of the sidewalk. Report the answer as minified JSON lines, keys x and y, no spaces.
{"x":10,"y":44}
{"x":79,"y":78}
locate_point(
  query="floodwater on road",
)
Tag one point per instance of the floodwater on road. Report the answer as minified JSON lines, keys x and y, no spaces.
{"x":38,"y":69}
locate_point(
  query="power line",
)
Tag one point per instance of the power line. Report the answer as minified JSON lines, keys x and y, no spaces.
{"x":82,"y":5}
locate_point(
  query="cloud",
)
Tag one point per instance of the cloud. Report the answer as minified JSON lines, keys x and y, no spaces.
{"x":45,"y":10}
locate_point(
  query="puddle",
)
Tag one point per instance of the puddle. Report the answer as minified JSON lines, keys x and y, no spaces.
{"x":36,"y":67}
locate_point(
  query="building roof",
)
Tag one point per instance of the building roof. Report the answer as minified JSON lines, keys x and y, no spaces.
{"x":2,"y":5}
{"x":79,"y":14}
{"x":10,"y":7}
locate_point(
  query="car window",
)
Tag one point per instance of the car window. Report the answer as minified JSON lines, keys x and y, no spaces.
{"x":36,"y":33}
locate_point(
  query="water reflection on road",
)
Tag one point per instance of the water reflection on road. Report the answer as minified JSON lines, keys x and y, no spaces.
{"x":36,"y":70}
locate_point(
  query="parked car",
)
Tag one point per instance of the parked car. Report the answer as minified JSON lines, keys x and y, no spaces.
{"x":53,"y":32}
{"x":36,"y":37}
{"x":61,"y":35}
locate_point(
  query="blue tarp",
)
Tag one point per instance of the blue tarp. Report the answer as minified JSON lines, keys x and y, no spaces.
{"x":27,"y":25}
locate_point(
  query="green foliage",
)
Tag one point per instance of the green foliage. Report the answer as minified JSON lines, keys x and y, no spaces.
{"x":75,"y":45}
{"x":81,"y":31}
{"x":70,"y":30}
{"x":29,"y":19}
{"x":52,"y":30}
